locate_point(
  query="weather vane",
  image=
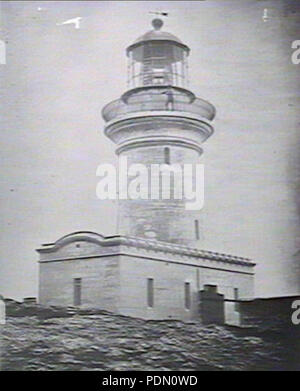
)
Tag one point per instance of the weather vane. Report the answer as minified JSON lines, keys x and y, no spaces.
{"x":159,"y":13}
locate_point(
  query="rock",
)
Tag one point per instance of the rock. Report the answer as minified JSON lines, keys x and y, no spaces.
{"x":2,"y":311}
{"x":67,"y":339}
{"x":253,"y":340}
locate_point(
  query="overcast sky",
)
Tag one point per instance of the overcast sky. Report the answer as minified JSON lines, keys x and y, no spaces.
{"x":57,"y":79}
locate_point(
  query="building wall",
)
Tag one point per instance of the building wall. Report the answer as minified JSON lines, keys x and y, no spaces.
{"x":114,"y":278}
{"x":99,"y":278}
{"x":169,"y":279}
{"x":76,"y":249}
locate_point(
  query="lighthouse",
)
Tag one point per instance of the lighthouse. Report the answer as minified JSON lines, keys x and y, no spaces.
{"x":154,"y":267}
{"x":158,"y":120}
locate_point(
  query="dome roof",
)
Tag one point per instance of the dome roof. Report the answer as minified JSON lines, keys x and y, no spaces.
{"x":157,"y":35}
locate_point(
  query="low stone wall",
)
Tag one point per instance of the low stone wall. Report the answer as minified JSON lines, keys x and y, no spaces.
{"x":16,"y":309}
{"x":267,"y":313}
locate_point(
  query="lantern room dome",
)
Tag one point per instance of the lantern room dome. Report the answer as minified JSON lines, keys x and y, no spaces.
{"x":157,"y":35}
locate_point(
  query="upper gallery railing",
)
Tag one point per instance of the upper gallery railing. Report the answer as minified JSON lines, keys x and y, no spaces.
{"x":148,"y":101}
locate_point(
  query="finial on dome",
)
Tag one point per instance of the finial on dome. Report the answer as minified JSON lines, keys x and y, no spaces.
{"x":157,"y":23}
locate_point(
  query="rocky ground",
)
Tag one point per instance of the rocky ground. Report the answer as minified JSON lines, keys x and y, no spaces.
{"x":95,"y":340}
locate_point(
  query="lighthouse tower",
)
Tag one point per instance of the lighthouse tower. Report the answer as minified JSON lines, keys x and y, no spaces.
{"x":158,"y":120}
{"x":154,"y":267}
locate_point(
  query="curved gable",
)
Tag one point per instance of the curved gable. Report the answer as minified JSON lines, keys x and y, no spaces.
{"x":74,"y":245}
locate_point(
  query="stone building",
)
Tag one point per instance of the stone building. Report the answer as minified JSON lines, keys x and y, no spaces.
{"x":153,"y":268}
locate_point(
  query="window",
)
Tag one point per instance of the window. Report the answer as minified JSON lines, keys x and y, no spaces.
{"x":187,"y":295}
{"x":158,"y":80}
{"x":167,"y":155}
{"x":197,"y":232}
{"x":77,"y":291}
{"x":236,"y":297}
{"x":150,"y":292}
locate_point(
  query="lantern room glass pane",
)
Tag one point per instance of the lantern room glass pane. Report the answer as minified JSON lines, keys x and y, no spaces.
{"x":157,"y":63}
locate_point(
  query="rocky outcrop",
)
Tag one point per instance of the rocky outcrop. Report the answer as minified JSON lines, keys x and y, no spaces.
{"x":40,"y":338}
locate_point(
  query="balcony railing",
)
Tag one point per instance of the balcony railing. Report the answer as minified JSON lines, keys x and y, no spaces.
{"x":157,"y":102}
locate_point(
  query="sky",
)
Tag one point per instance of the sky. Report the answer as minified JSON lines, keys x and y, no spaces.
{"x":57,"y":79}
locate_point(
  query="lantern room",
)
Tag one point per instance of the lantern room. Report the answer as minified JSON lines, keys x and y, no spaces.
{"x":157,"y":58}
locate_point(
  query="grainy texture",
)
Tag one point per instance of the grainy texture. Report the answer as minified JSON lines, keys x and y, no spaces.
{"x":94,"y":340}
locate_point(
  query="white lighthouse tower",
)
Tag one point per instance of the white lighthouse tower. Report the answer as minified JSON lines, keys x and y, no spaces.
{"x":159,"y":121}
{"x":154,"y":267}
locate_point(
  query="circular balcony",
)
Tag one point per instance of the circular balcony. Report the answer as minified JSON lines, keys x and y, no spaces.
{"x":158,"y":99}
